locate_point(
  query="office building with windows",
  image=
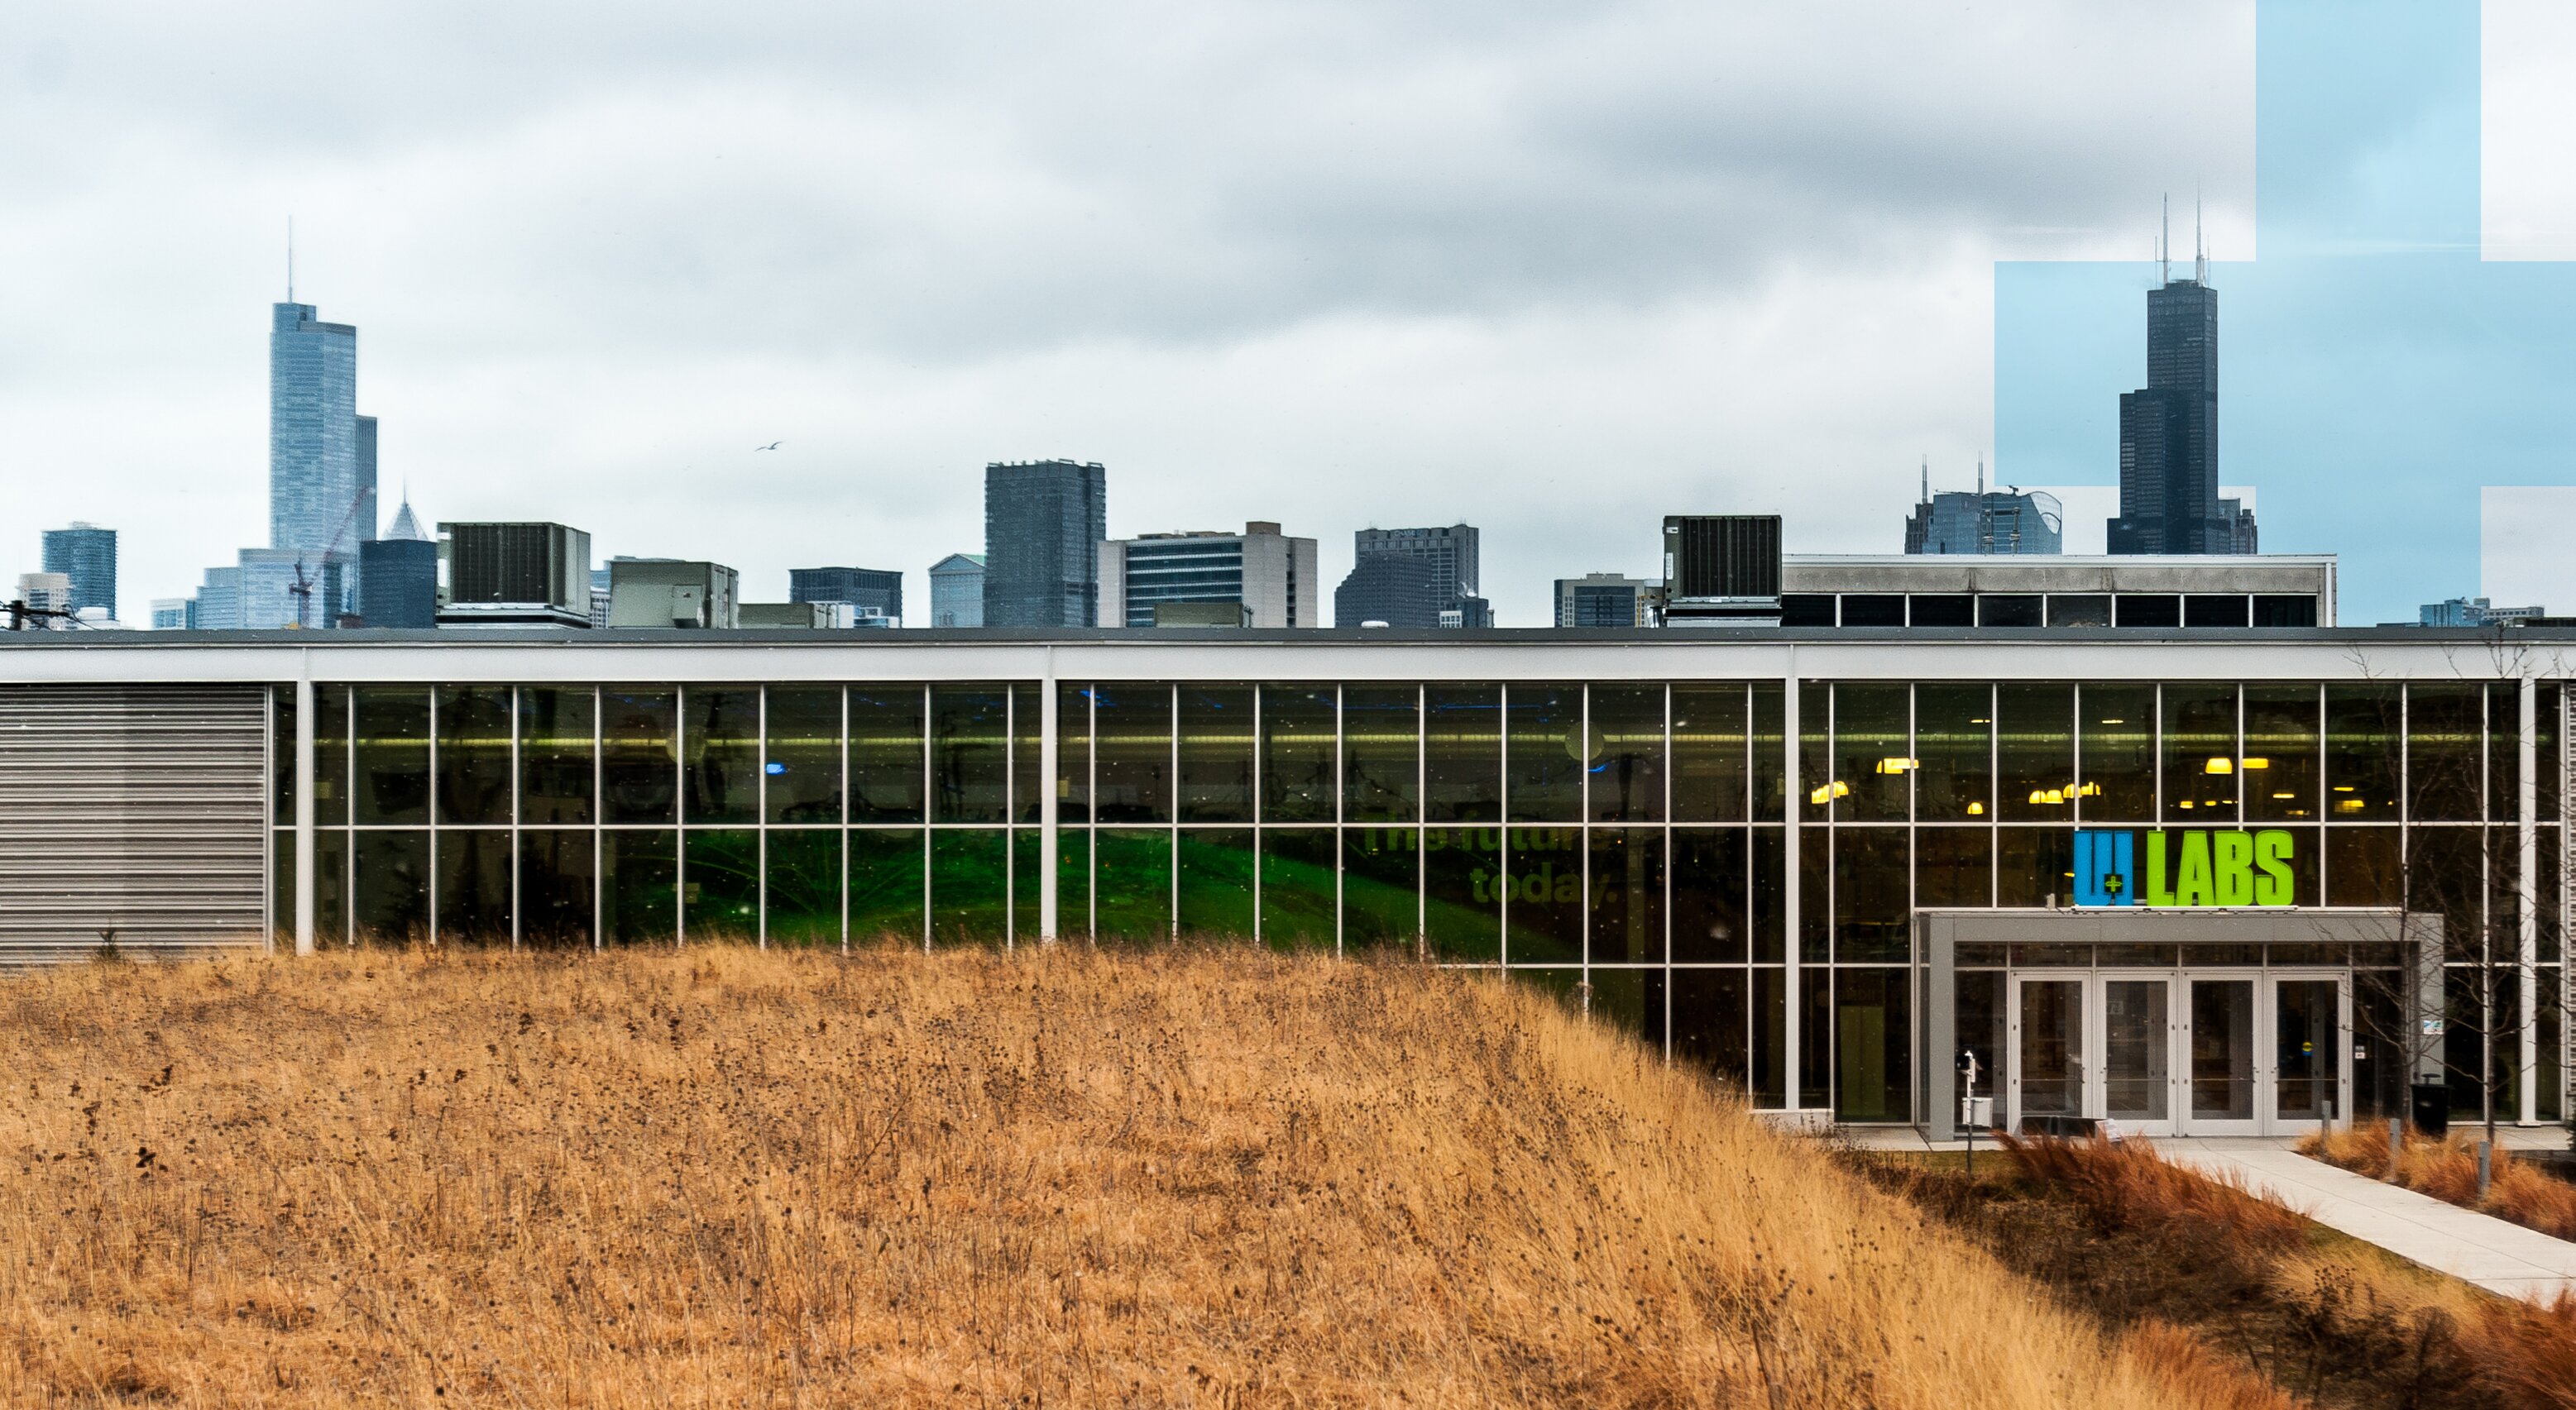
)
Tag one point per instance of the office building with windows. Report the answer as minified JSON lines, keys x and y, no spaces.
{"x":957,"y":591}
{"x":86,"y":554}
{"x":2169,"y":502}
{"x":1269,"y":574}
{"x":2190,"y":880}
{"x":867,"y":592}
{"x":1044,"y":522}
{"x":1607,"y":600}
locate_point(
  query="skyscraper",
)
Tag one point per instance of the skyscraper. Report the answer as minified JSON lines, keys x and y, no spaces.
{"x":398,"y":575}
{"x":86,"y":554}
{"x":1044,"y":522}
{"x":870,"y":592}
{"x":1452,"y":552}
{"x":1987,"y":521}
{"x":1266,"y":572}
{"x":316,"y":483}
{"x":2169,"y":430}
{"x":957,"y":591}
{"x":1398,"y":589}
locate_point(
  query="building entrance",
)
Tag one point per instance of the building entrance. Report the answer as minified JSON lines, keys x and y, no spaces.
{"x":2177,"y":1052}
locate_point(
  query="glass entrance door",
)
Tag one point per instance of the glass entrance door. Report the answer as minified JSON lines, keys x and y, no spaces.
{"x":2309,"y":1025}
{"x":2223,"y":1059}
{"x":2047,"y":1050}
{"x":2137,"y":1054}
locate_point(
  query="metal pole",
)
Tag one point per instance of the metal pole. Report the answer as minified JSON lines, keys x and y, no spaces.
{"x":1049,"y":841}
{"x":2527,"y":918}
{"x":1790,"y":889}
{"x":304,"y":877}
{"x":2396,"y":1148}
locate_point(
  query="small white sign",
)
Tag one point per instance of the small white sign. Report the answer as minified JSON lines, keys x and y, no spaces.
{"x":2432,"y":1028}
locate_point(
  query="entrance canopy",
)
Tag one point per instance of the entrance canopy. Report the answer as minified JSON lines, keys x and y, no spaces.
{"x":2135,"y":939}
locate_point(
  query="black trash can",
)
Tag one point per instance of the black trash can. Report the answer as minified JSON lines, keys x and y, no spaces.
{"x":2432,"y":1108}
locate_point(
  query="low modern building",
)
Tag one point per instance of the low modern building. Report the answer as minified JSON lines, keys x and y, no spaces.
{"x":174,"y":614}
{"x":2475,"y":612}
{"x":1607,"y":600}
{"x":867,"y":592}
{"x":1987,"y":521}
{"x":2118,"y":590}
{"x":2192,"y":880}
{"x":47,"y":599}
{"x":957,"y":591}
{"x":1270,"y":574}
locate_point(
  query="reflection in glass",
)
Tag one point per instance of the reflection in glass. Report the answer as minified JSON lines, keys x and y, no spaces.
{"x":970,"y":754}
{"x":558,"y":760}
{"x":1462,"y":747}
{"x":2281,"y":746}
{"x":1711,"y":768}
{"x":557,"y":887}
{"x":2136,"y":1049}
{"x":2051,"y":1080}
{"x":1546,"y":753}
{"x":1381,"y":886}
{"x":1627,"y":895}
{"x":639,"y":887}
{"x":2222,"y":1049}
{"x":1216,"y":754}
{"x":1873,"y":871}
{"x":1953,"y":866}
{"x":1709,"y":901}
{"x":2034,"y":752}
{"x":886,"y":885}
{"x":1135,"y":882}
{"x":720,"y":757}
{"x":1543,"y":895}
{"x":2444,"y":722}
{"x":2200,"y":754}
{"x":392,"y":747}
{"x":1873,"y":759}
{"x":1216,"y":877}
{"x":720,"y":886}
{"x":1298,"y":748}
{"x":474,"y":887}
{"x":1709,"y":1022}
{"x":1133,"y":754}
{"x":887,"y":769}
{"x":1770,"y":1037}
{"x":1770,"y":900}
{"x":803,"y":764}
{"x":389,"y":892}
{"x":1028,"y":742}
{"x":2118,"y":753}
{"x":1297,"y":909}
{"x":2308,"y":1033}
{"x":1381,"y":754}
{"x":330,"y":756}
{"x":1625,"y":781}
{"x":1770,"y":777}
{"x":2361,"y":753}
{"x":1631,"y":1000}
{"x":1072,"y":755}
{"x":2034,"y":866}
{"x":801,"y":895}
{"x":1954,"y":770}
{"x":281,"y":755}
{"x":639,"y":756}
{"x":1073,"y":883}
{"x":1463,"y":892}
{"x":1872,"y":1038}
{"x":970,"y":886}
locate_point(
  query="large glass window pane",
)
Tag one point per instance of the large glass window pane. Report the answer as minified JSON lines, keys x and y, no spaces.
{"x":887,"y":768}
{"x":969,"y":886}
{"x":1769,"y":905}
{"x":1709,"y":1022}
{"x":1381,"y":754}
{"x":1954,"y":866}
{"x":1027,"y":871}
{"x":1462,"y":754}
{"x":1298,"y":888}
{"x":474,"y":887}
{"x":885,"y":886}
{"x":1073,"y":756}
{"x":473,"y":755}
{"x":1463,"y":892}
{"x":1134,"y":753}
{"x":557,"y":877}
{"x":1073,"y":883}
{"x":1299,"y":737}
{"x":1770,"y":779}
{"x":2280,"y":764}
{"x":1815,"y":753}
{"x":1216,"y":754}
{"x":720,"y":886}
{"x":2034,"y":752}
{"x":392,"y":729}
{"x":1627,"y":895}
{"x":1135,"y":881}
{"x":720,"y":755}
{"x":2443,"y":763}
{"x":2504,"y":751}
{"x":1873,"y":1041}
{"x":1770,"y":1038}
{"x":558,"y":768}
{"x":2118,"y":759}
{"x":804,"y":759}
{"x":281,"y":756}
{"x":2034,"y":866}
{"x":331,"y":757}
{"x":969,"y":754}
{"x":1625,"y":782}
{"x":1873,"y":754}
{"x":2200,"y":754}
{"x":1710,"y":924}
{"x":1543,"y":912}
{"x":1710,"y":765}
{"x":1954,"y":769}
{"x":2365,"y":866}
{"x":1631,"y":1000}
{"x":639,"y":887}
{"x":801,"y":900}
{"x":1381,"y":887}
{"x":2361,"y":753}
{"x":1216,"y":879}
{"x":1873,"y":883}
{"x":1546,"y":755}
{"x":639,"y":759}
{"x":1028,"y":739}
{"x":330,"y":886}
{"x":389,"y":893}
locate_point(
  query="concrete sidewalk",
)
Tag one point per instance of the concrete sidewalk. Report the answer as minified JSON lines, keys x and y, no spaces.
{"x":2496,"y":1255}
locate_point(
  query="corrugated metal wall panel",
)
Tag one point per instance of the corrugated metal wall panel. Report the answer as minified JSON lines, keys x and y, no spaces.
{"x":137,"y":809}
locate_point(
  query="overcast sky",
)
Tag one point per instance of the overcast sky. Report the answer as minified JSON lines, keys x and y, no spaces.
{"x":1552,"y":270}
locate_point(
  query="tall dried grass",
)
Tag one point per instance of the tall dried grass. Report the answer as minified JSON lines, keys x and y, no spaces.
{"x":724,"y":1177}
{"x":2448,"y":1171}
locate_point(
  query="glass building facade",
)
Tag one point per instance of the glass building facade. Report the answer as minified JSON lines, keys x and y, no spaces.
{"x":1730,"y":868}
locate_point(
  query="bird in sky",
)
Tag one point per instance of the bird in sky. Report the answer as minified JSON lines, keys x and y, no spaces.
{"x":773,"y":445}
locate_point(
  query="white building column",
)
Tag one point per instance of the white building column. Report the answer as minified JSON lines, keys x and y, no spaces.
{"x":2527,"y":917}
{"x":1790,"y":889}
{"x":304,"y":802}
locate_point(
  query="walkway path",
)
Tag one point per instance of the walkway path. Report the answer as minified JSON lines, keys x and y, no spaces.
{"x":2496,"y":1255}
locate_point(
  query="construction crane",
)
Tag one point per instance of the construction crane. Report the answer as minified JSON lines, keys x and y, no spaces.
{"x":303,"y":585}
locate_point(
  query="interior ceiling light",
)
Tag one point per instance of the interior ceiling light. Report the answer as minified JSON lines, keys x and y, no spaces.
{"x":2258,"y":763}
{"x":2218,"y":765}
{"x":1976,"y":810}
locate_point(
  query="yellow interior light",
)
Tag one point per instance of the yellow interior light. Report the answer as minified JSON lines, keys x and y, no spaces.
{"x":2218,"y":766}
{"x":1976,"y":810}
{"x":1895,"y":766}
{"x":2285,"y":795}
{"x":2115,"y":722}
{"x":1821,"y":794}
{"x":2186,"y":802}
{"x":2039,"y":795}
{"x":2258,"y":763}
{"x":2057,"y":795}
{"x":1981,"y":722}
{"x":2343,"y":788}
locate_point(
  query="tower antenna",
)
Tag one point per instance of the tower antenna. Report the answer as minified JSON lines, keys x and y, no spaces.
{"x":1981,"y":472}
{"x":290,"y":259}
{"x":1927,"y":479}
{"x":2199,"y":251}
{"x":2164,"y":246}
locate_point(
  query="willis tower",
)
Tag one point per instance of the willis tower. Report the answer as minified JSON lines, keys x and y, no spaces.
{"x":2169,"y":431}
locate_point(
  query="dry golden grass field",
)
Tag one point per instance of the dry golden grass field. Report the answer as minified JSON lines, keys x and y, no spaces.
{"x":727,"y":1177}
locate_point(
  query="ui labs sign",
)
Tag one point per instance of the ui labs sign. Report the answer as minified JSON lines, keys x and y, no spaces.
{"x":2199,"y":868}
